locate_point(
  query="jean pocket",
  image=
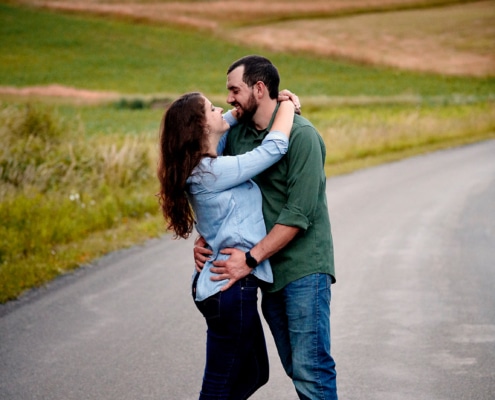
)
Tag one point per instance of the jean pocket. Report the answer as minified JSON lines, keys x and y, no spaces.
{"x":250,"y":293}
{"x":250,"y":282}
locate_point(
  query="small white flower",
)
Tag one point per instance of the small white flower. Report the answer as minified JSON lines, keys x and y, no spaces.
{"x":74,"y":196}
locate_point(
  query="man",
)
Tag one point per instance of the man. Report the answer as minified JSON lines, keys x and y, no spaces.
{"x":299,"y":243}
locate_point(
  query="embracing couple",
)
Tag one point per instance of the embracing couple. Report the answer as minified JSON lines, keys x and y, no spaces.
{"x":252,"y":183}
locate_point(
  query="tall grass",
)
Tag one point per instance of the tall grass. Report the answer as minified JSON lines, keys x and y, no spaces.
{"x":57,"y":187}
{"x":69,"y":194}
{"x":360,"y":136}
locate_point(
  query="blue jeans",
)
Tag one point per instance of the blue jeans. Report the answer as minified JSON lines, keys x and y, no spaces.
{"x":236,"y":356}
{"x":299,"y":318}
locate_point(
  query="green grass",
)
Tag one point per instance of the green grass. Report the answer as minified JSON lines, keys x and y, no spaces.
{"x":39,"y":47}
{"x":77,"y":181}
{"x":60,"y":187}
{"x":108,"y":119}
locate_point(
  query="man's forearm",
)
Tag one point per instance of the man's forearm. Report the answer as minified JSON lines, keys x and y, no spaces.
{"x":276,"y":240}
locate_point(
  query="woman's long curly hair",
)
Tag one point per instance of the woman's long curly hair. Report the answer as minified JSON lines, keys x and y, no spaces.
{"x":182,"y":145}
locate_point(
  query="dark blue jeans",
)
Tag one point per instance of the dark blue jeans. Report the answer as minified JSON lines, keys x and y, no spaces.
{"x":236,"y":356}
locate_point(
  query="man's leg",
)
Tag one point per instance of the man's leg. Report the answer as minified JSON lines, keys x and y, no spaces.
{"x":307,"y":357}
{"x":273,"y":307}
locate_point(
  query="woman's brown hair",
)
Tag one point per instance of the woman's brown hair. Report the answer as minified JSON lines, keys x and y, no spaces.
{"x":182,"y":146}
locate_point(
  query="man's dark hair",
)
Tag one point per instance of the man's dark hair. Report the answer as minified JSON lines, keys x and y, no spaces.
{"x":258,"y":68}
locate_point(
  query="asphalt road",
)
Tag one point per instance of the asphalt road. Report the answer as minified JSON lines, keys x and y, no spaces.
{"x":413,"y":309}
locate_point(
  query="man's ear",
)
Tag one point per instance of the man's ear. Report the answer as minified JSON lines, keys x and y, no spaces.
{"x":259,"y":89}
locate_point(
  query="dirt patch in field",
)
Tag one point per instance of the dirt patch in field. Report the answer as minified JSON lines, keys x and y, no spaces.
{"x":456,"y":40}
{"x":214,"y":14}
{"x":81,"y":95}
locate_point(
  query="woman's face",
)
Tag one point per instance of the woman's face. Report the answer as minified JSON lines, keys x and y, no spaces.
{"x":214,"y":119}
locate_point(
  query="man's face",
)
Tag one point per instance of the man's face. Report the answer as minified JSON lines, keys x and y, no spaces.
{"x":241,"y":95}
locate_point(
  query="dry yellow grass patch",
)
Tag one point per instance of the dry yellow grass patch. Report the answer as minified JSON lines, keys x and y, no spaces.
{"x":214,"y":14}
{"x":456,"y":40}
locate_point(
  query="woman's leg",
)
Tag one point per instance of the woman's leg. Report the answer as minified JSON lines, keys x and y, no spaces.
{"x":254,"y":368}
{"x":234,"y":328}
{"x":222,"y":312}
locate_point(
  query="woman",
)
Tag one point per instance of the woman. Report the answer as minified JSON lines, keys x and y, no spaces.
{"x":201,"y":188}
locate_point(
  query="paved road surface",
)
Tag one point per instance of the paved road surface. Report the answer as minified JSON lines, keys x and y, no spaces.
{"x":413,"y":311}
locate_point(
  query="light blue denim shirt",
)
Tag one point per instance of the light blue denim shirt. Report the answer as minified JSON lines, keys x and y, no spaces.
{"x":227,"y":205}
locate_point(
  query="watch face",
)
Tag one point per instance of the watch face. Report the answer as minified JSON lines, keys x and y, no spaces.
{"x":251,"y":261}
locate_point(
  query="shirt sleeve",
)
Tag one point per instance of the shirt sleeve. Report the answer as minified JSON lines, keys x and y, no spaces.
{"x":228,"y":171}
{"x":229,"y":117}
{"x":305,"y":178}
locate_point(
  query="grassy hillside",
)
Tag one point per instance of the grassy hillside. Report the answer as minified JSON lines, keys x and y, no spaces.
{"x":77,"y":180}
{"x":39,"y":47}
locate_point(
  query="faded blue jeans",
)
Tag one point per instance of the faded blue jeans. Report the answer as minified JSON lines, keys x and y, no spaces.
{"x":236,"y":355}
{"x":299,"y":318}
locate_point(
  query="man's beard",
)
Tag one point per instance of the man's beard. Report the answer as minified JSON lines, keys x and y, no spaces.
{"x":248,"y":111}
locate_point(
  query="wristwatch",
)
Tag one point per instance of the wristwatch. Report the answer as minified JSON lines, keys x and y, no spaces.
{"x":250,"y":260}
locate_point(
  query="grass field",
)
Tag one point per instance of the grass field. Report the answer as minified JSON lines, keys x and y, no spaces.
{"x":77,"y":172}
{"x":445,"y":36}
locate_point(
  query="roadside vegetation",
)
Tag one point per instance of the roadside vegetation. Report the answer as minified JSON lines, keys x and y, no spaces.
{"x":77,"y":178}
{"x":59,"y":188}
